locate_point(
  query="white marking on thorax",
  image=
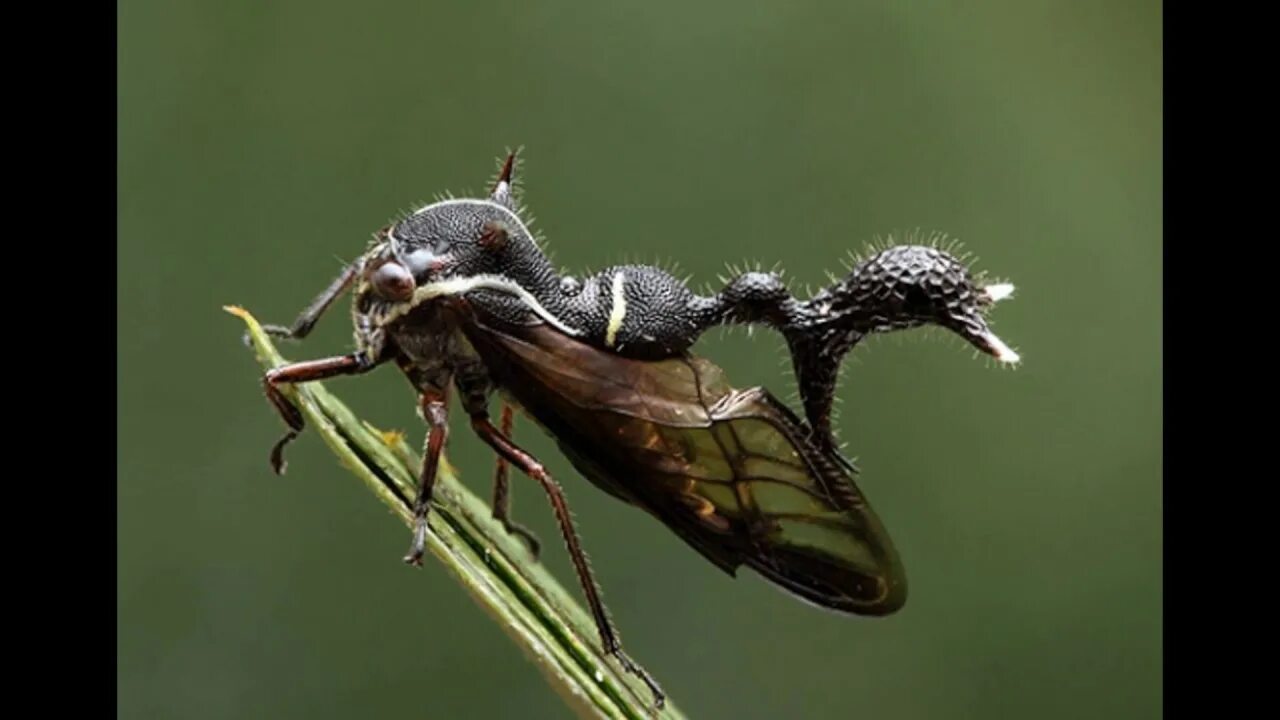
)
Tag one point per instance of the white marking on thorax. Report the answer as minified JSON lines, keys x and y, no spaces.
{"x":464,"y":285}
{"x":618,"y":310}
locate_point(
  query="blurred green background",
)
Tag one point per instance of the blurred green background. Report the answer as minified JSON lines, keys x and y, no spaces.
{"x":261,"y":143}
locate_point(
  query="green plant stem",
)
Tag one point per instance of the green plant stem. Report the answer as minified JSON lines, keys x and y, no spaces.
{"x":496,"y":569}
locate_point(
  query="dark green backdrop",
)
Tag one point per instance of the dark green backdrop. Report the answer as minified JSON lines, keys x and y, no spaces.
{"x":260,"y":144}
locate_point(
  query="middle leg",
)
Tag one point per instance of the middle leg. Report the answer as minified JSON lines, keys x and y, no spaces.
{"x":502,"y":494}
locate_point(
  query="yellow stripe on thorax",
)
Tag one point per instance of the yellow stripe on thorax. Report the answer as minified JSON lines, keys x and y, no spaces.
{"x":619,"y":310}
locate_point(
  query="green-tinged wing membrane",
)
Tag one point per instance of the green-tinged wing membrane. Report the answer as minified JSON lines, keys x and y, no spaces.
{"x":729,"y":470}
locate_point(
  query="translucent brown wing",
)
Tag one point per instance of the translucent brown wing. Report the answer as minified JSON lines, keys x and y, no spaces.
{"x":728,"y":470}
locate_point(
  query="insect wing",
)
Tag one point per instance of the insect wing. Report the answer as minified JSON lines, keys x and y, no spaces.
{"x":728,"y":470}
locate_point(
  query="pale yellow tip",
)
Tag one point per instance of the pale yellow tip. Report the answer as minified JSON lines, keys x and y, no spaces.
{"x":1003,"y":352}
{"x":999,"y":292}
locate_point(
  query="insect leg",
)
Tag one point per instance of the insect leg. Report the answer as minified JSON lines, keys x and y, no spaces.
{"x":435,"y":410}
{"x":502,"y":497}
{"x":307,"y":371}
{"x":307,"y":319}
{"x":534,"y":469}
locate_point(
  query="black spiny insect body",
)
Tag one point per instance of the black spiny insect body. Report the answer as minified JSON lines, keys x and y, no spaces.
{"x":462,"y":297}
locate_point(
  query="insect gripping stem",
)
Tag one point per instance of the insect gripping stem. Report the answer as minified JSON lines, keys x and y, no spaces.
{"x":461,"y":294}
{"x":527,"y":602}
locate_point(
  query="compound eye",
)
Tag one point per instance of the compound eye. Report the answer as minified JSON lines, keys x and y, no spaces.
{"x":392,"y":282}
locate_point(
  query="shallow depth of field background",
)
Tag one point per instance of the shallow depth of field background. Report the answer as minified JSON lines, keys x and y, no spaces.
{"x":261,"y":143}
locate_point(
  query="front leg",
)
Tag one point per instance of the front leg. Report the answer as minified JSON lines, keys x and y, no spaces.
{"x":308,"y":317}
{"x":310,"y":370}
{"x":435,"y":411}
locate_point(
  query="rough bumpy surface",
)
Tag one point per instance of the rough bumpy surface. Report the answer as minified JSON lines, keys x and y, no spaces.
{"x":643,"y":312}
